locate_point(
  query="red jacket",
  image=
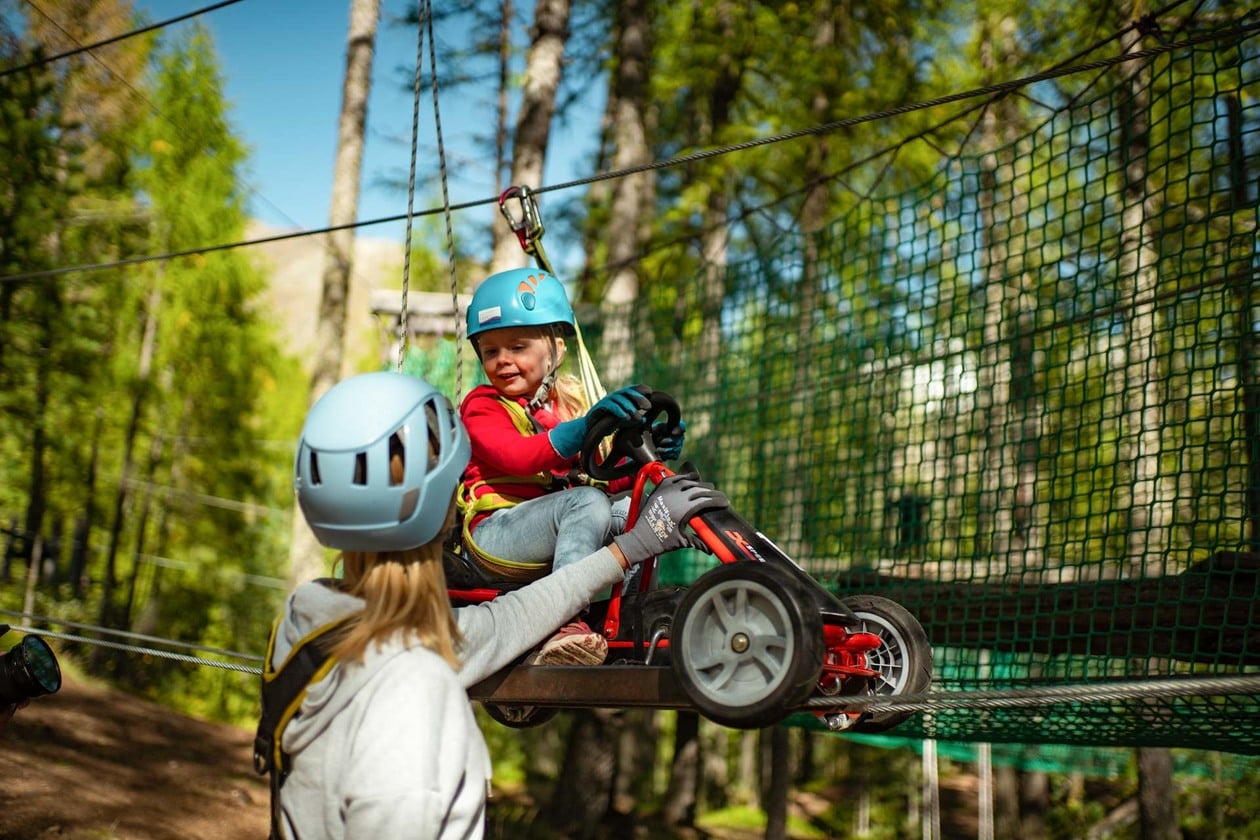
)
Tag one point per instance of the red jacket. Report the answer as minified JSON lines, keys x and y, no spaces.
{"x":500,"y":450}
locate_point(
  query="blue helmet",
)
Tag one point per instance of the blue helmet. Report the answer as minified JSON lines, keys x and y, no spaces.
{"x":519,"y":297}
{"x":342,"y":474}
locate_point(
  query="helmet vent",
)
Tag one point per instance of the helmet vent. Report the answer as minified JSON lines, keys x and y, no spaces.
{"x":435,"y":439}
{"x":360,"y":468}
{"x":315,"y":479}
{"x":397,"y":459}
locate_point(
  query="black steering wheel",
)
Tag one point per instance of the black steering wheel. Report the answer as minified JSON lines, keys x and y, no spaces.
{"x":632,"y":444}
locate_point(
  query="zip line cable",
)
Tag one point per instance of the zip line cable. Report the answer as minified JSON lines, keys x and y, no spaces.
{"x":998,"y":88}
{"x":122,"y":634}
{"x":161,"y":654}
{"x":9,"y":71}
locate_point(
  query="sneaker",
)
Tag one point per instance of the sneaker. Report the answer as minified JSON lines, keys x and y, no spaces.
{"x":573,"y":644}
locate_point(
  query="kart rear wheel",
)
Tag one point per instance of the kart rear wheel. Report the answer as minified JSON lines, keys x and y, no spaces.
{"x":747,"y":644}
{"x":515,"y":716}
{"x":903,"y":659}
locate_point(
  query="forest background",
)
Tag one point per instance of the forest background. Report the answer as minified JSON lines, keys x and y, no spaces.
{"x":155,"y":365}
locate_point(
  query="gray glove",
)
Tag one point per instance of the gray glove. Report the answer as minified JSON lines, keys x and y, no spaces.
{"x":660,"y":525}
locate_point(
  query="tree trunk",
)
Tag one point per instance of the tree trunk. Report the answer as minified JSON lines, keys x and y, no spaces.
{"x":1034,"y":802}
{"x":631,"y":195}
{"x":306,"y":558}
{"x":1157,"y":795}
{"x":506,"y":10}
{"x":636,"y":759}
{"x":1242,"y":281}
{"x":543,"y":69}
{"x":584,"y":790}
{"x":795,"y":468}
{"x":144,"y":369}
{"x":1005,"y":801}
{"x":1149,"y":499}
{"x":81,"y":542}
{"x":679,"y":808}
{"x":1008,"y":475}
{"x":775,"y":800}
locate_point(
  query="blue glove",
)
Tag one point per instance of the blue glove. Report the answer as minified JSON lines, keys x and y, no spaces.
{"x":622,"y":404}
{"x":567,"y":437}
{"x":669,"y":440}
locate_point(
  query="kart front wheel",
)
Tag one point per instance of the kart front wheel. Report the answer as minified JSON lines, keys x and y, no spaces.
{"x":747,"y":644}
{"x":903,"y":659}
{"x":516,"y":716}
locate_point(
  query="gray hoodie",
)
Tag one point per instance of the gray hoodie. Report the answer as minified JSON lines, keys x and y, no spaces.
{"x":389,"y":748}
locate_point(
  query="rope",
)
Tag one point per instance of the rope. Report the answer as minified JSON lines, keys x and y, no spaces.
{"x":427,"y":21}
{"x":1086,"y":693}
{"x":403,"y":328}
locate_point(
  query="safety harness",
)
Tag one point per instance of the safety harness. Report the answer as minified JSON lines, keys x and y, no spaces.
{"x":471,"y":506}
{"x":283,"y":690}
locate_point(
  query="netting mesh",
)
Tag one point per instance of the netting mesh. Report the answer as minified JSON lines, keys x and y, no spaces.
{"x":1022,"y":401}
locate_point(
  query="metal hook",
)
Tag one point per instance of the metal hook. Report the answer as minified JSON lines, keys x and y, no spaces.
{"x":529,"y":227}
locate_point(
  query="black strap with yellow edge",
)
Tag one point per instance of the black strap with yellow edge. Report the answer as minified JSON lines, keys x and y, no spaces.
{"x":283,"y":690}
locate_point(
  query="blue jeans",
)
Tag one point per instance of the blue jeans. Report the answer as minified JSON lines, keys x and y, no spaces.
{"x":561,"y":527}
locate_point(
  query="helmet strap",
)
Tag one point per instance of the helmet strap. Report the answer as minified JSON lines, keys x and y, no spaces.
{"x":549,"y":379}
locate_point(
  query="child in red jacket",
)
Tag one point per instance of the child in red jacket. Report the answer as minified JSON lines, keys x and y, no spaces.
{"x":527,"y":507}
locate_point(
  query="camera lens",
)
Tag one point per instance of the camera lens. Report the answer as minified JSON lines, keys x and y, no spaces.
{"x":28,"y":670}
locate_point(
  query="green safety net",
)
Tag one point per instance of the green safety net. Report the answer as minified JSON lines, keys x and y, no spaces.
{"x":1021,"y":400}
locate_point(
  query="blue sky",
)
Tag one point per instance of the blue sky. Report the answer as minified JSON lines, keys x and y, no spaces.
{"x":283,"y":63}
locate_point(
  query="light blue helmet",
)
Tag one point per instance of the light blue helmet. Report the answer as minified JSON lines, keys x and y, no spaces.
{"x":519,"y":297}
{"x":342,"y":472}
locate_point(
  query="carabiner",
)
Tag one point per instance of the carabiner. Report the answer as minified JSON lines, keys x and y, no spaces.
{"x":529,"y":228}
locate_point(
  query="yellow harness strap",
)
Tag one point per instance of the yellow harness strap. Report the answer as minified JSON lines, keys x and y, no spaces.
{"x":471,"y":506}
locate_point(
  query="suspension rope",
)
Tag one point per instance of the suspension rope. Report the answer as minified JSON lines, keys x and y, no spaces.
{"x":404,"y":329}
{"x":426,"y":5}
{"x":1238,"y":31}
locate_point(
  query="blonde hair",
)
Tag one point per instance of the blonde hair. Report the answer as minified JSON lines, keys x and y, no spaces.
{"x":570,"y":396}
{"x":403,"y":592}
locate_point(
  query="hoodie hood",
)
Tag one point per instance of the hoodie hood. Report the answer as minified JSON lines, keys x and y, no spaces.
{"x":310,"y":607}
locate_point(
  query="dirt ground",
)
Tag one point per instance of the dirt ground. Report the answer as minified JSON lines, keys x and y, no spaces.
{"x":94,"y":763}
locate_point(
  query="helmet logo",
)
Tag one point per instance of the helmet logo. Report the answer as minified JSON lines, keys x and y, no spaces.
{"x":526,"y":291}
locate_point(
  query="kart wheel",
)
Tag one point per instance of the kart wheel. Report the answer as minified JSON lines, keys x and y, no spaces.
{"x":747,"y":644}
{"x":517,"y":716}
{"x":903,"y":659}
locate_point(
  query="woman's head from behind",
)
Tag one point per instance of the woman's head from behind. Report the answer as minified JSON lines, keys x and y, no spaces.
{"x":380,"y":458}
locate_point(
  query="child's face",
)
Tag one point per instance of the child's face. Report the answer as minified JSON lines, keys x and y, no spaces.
{"x":516,"y":359}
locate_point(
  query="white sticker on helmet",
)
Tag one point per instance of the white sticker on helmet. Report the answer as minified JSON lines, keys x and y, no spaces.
{"x":488,"y":315}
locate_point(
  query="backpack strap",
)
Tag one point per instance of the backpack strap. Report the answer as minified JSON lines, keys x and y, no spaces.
{"x":283,"y":690}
